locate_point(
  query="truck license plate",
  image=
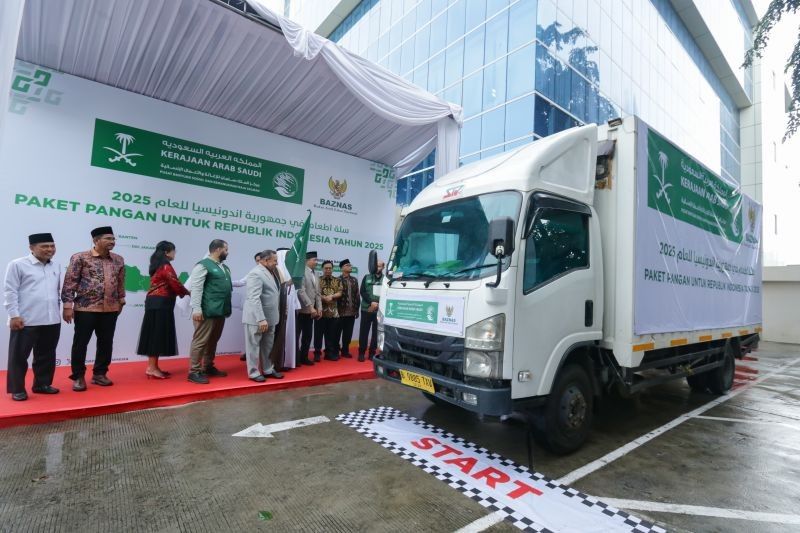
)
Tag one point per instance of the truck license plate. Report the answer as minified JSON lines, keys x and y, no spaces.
{"x":417,"y":381}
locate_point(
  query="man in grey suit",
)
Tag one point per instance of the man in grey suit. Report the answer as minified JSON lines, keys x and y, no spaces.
{"x":310,"y":308}
{"x":260,"y":315}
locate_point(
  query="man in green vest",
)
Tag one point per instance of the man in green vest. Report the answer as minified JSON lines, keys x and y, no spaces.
{"x":211,"y":288}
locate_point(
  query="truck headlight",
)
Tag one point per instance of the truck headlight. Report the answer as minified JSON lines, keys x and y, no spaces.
{"x":381,"y":336}
{"x":483,"y":343}
{"x":487,"y":335}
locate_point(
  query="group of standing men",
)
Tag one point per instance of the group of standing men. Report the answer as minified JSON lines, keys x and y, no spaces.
{"x":330,"y":307}
{"x":93,"y":296}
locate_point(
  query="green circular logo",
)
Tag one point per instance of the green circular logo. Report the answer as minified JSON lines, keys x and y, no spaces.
{"x":285,"y":183}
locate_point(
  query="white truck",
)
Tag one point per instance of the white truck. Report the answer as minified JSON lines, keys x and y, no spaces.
{"x":599,"y":258}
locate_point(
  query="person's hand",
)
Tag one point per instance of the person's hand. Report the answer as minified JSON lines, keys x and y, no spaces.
{"x":263,"y":326}
{"x":67,"y":314}
{"x":373,"y":307}
{"x":197,"y":317}
{"x":16,"y":324}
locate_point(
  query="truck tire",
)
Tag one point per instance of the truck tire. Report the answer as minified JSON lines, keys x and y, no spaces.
{"x":698,"y":382}
{"x":563,"y":426}
{"x":720,"y":380}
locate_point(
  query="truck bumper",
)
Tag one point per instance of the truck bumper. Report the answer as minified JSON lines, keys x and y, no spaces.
{"x":484,"y":401}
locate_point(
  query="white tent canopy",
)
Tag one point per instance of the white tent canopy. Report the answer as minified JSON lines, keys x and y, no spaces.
{"x":208,"y":57}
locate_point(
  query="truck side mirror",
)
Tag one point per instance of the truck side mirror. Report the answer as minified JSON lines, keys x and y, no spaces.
{"x":501,"y":237}
{"x":372,"y":262}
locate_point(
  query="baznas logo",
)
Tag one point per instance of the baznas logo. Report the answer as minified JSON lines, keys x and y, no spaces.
{"x":663,"y":159}
{"x":285,"y":184}
{"x":449,"y":310}
{"x":124,"y":140}
{"x":338,"y":188}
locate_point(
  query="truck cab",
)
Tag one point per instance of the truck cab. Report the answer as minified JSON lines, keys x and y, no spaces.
{"x":483,"y":262}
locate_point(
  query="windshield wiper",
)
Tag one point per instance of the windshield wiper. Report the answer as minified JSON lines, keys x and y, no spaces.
{"x":470,"y":269}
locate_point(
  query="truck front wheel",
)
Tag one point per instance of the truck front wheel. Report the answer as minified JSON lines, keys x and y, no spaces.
{"x":564,"y":424}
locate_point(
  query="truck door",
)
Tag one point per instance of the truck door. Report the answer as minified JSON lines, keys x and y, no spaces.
{"x":555,"y":306}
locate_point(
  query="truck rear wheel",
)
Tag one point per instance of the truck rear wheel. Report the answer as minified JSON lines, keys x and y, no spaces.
{"x":720,"y":380}
{"x":564,"y":424}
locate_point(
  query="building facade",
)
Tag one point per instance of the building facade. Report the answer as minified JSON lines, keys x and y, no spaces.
{"x":524,"y":69}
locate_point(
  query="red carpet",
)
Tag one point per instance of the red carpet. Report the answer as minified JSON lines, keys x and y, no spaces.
{"x":131,"y":391}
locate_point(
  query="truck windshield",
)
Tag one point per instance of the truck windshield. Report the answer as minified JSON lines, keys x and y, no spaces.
{"x":450,"y":241}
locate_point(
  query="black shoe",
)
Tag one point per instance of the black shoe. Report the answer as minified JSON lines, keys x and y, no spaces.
{"x":275,"y":374}
{"x":46,"y":389}
{"x":198,"y":377}
{"x":346,"y":355}
{"x":259,"y":379}
{"x":317,"y":357}
{"x":243,"y":357}
{"x":361,"y":358}
{"x":19,"y":396}
{"x":215,"y":372}
{"x":371,"y":356}
{"x":307,"y":362}
{"x":102,"y":381}
{"x":331,"y":358}
{"x":79,"y":384}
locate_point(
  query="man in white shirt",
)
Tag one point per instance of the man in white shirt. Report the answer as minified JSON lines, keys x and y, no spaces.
{"x":33,"y":303}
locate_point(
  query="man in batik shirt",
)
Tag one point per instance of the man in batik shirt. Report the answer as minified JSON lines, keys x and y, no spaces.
{"x":348,"y":306}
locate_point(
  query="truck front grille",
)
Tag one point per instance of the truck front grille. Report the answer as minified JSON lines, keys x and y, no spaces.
{"x":438,"y":354}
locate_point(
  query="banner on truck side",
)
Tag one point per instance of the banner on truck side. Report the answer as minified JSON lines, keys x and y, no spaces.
{"x":698,"y":244}
{"x":79,"y":154}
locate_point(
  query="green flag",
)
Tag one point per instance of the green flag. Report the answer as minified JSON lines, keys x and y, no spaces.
{"x":296,"y":257}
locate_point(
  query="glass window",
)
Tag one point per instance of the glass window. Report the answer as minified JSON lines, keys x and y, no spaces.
{"x":421,"y":45}
{"x":395,"y":36}
{"x":454,"y":63}
{"x":423,"y":13}
{"x":563,"y":84}
{"x":438,"y":5}
{"x":493,"y":127}
{"x":436,"y":74}
{"x":577,"y":102}
{"x":522,"y":23}
{"x":420,"y":77}
{"x":395,"y":61}
{"x":493,"y":6}
{"x":473,"y":50}
{"x":496,"y":37}
{"x":409,"y":25}
{"x":471,"y":136}
{"x":519,"y":118}
{"x":438,"y":33}
{"x":486,"y":154}
{"x":549,"y":119}
{"x":558,"y":243}
{"x":521,"y":68}
{"x":545,"y":29}
{"x":402,"y":191}
{"x":455,"y":20}
{"x":494,"y":84}
{"x":414,"y":186}
{"x":545,"y":73}
{"x":516,"y":144}
{"x":407,"y":62}
{"x":476,"y":13}
{"x":580,"y":13}
{"x":453,"y":94}
{"x":469,"y":159}
{"x":449,"y":240}
{"x":473,"y":94}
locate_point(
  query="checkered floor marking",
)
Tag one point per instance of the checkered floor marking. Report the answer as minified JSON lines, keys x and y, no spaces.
{"x":397,"y":431}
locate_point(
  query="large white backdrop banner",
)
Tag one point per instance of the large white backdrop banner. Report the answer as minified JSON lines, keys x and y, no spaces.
{"x":79,"y":155}
{"x":698,"y":244}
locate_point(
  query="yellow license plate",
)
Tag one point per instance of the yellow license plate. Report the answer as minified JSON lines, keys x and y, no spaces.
{"x":417,"y":381}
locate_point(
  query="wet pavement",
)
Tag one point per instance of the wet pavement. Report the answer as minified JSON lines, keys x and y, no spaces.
{"x":180,"y":469}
